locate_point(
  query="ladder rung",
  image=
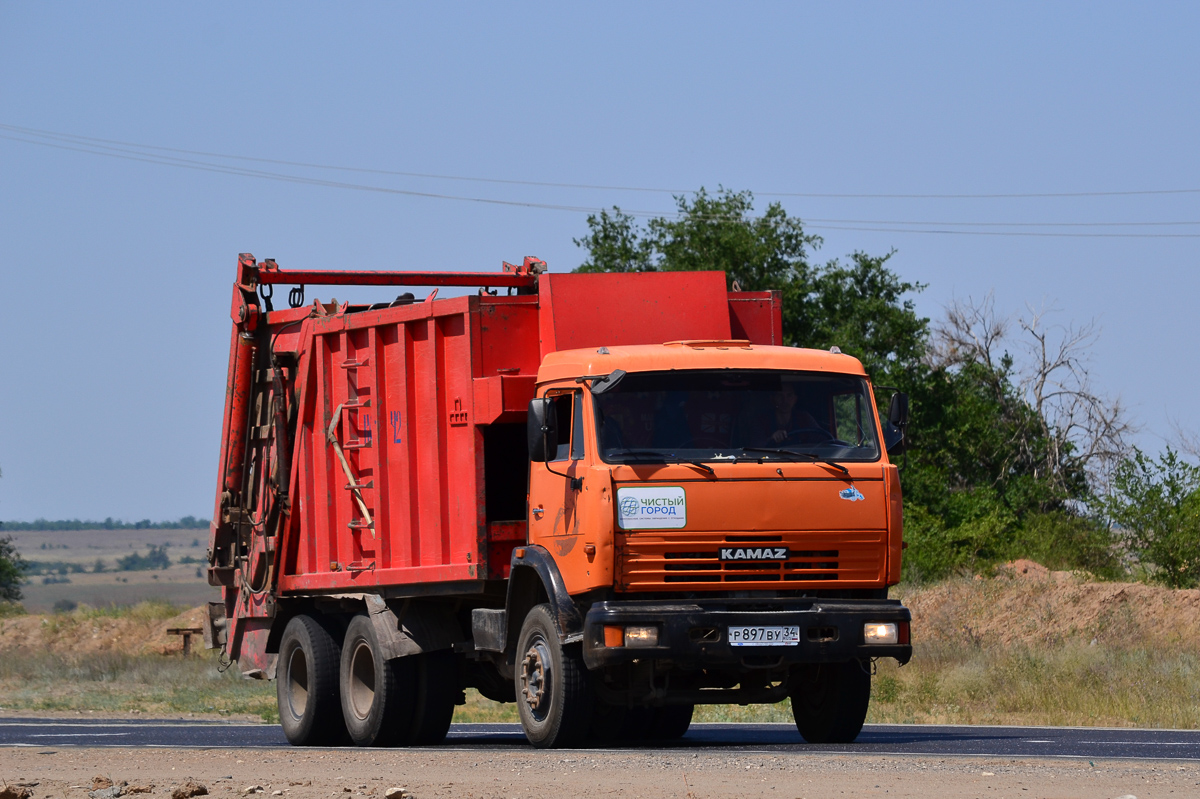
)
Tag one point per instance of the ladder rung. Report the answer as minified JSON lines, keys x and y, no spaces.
{"x":355,"y":364}
{"x":359,"y":524}
{"x":350,"y":404}
{"x":358,"y":443}
{"x":353,"y":486}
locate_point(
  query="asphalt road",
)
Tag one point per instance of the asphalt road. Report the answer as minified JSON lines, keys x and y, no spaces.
{"x":952,"y":741}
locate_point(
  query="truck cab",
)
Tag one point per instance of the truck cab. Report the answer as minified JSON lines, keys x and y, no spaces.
{"x":725,"y":514}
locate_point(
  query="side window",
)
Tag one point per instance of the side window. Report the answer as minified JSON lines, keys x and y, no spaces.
{"x":562,"y":414}
{"x":577,"y":428}
{"x":852,"y":421}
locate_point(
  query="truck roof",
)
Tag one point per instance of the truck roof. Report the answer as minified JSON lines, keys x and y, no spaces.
{"x":567,"y":364}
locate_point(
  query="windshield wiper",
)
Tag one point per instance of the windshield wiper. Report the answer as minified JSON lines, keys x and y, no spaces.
{"x":667,"y":457}
{"x":794,"y":454}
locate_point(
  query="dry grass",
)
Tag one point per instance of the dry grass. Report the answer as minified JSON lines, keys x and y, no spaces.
{"x":110,"y":682}
{"x":1005,"y":651}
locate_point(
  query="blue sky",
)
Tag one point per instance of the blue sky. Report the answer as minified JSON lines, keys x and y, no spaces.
{"x":115,"y":274}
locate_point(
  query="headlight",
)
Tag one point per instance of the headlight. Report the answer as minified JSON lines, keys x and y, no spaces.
{"x":876,"y":632}
{"x":641,"y":636}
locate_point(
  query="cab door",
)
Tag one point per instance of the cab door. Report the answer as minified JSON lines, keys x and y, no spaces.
{"x":555,"y":486}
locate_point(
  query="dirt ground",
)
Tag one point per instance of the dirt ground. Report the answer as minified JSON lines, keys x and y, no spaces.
{"x":1025,"y":603}
{"x":84,"y":634}
{"x":66,"y":773}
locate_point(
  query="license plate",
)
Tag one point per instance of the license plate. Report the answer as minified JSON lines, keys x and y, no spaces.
{"x":764,"y":636}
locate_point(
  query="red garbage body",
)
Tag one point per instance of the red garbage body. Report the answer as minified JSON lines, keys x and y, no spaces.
{"x":394,"y":480}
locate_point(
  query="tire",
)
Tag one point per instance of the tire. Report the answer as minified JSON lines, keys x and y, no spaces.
{"x":554,"y":697}
{"x":306,"y":684}
{"x":829,"y":701}
{"x":377,"y":694}
{"x":436,"y":688}
{"x":671,"y":722}
{"x":607,"y":723}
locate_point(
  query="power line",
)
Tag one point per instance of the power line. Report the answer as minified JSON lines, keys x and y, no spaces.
{"x":588,"y":186}
{"x":127,"y":152}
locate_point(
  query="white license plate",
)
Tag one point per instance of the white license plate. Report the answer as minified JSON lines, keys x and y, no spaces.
{"x":764,"y":636}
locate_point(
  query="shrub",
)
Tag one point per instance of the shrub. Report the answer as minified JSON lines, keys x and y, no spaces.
{"x":12,"y":571}
{"x":156,"y":558}
{"x":1155,"y":504}
{"x":1060,"y":541}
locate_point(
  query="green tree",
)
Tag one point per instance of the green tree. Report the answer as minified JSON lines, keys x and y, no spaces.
{"x":1155,"y":504}
{"x":988,"y":476}
{"x":861,"y":306}
{"x":12,"y":571}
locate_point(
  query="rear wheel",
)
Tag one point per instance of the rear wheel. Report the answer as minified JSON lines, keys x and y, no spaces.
{"x":306,"y":684}
{"x":554,"y":698}
{"x":377,"y":694}
{"x":829,"y":701}
{"x":435,"y":687}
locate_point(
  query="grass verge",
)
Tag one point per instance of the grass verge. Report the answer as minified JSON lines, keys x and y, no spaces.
{"x":107,"y":682}
{"x":1073,"y":685}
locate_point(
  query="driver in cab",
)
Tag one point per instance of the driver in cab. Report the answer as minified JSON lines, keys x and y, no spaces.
{"x":787,"y":421}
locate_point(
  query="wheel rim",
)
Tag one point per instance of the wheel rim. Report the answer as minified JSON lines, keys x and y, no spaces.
{"x":362,"y":680}
{"x":297,"y":682}
{"x":537,"y":678}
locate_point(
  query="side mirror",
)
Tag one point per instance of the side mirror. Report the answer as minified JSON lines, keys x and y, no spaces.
{"x":898,"y":410}
{"x":541,"y":430}
{"x":893,"y":431}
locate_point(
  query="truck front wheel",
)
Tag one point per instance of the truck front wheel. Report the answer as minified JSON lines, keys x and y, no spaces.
{"x":377,"y":702}
{"x":306,"y":684}
{"x":671,"y":722}
{"x":554,"y":698}
{"x":829,"y":701}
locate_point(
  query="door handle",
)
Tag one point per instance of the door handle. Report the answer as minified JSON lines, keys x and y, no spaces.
{"x":538,"y":511}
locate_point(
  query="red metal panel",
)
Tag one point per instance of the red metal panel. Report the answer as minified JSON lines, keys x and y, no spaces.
{"x":594,"y":310}
{"x":408,"y":431}
{"x":508,"y":335}
{"x":756,"y":316}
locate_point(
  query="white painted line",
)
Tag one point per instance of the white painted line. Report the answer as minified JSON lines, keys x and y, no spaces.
{"x":1034,"y":741}
{"x":1141,"y":743}
{"x":79,"y":735}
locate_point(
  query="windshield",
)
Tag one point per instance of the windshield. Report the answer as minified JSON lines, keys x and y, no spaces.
{"x":736,"y":415}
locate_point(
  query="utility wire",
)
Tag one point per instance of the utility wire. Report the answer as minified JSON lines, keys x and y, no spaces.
{"x":548,"y":184}
{"x":128,"y":151}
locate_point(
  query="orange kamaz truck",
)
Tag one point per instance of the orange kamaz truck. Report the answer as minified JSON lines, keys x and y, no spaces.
{"x":607,"y":498}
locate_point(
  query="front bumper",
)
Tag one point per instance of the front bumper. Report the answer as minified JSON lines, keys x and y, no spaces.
{"x":696,"y":634}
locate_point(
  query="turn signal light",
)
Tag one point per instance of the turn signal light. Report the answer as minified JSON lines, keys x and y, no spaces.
{"x":880,"y":633}
{"x":614,"y":635}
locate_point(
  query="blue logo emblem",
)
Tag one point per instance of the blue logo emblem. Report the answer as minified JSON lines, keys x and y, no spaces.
{"x":851,"y":494}
{"x":629,"y":507}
